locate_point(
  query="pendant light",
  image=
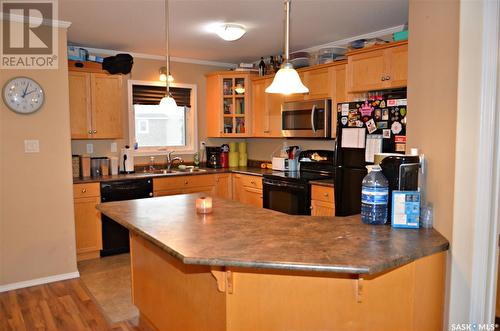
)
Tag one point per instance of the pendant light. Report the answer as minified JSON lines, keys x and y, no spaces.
{"x":167,"y":103}
{"x":287,"y":80}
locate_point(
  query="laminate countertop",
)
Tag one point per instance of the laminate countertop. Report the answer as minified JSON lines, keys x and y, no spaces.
{"x":238,"y":235}
{"x":205,"y":171}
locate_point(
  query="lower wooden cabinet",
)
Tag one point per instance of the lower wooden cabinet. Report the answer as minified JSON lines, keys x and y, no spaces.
{"x":87,"y":221}
{"x":247,"y":189}
{"x":219,"y":185}
{"x":322,"y":201}
{"x":223,"y":186}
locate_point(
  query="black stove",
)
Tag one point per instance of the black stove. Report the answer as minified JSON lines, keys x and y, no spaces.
{"x":289,"y":191}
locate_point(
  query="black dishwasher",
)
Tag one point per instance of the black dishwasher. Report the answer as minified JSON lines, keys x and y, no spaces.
{"x":115,"y":238}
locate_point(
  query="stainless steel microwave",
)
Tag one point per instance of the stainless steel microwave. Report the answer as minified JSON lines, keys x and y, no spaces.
{"x":306,"y":119}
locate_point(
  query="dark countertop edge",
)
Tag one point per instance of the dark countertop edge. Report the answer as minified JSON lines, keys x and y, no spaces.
{"x":323,"y":182}
{"x":138,"y":175}
{"x":362,"y":270}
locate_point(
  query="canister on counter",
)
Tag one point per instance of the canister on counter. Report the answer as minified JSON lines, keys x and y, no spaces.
{"x":114,"y":165}
{"x":234,"y":159}
{"x":243,"y":159}
{"x":84,"y":166}
{"x":105,"y":167}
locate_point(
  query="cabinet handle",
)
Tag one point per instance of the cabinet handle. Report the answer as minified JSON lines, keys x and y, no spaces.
{"x":325,"y":194}
{"x":387,"y":77}
{"x":383,"y":78}
{"x":252,"y":182}
{"x":84,"y":190}
{"x":90,"y":131}
{"x":186,"y":182}
{"x":95,"y":131}
{"x":267,"y":131}
{"x":311,"y":207}
{"x":150,"y":194}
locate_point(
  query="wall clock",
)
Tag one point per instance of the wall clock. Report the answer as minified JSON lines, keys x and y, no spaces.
{"x":23,"y":95}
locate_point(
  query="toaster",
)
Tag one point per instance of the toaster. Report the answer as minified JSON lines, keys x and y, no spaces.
{"x":280,"y":163}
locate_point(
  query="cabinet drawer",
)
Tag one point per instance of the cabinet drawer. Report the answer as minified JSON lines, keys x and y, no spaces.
{"x":181,"y":182}
{"x":86,"y":190}
{"x":251,"y":181}
{"x":322,"y":193}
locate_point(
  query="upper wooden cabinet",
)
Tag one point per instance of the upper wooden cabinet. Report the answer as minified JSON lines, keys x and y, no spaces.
{"x":266,"y":109}
{"x":96,"y":104}
{"x":378,"y":67}
{"x":228,"y":104}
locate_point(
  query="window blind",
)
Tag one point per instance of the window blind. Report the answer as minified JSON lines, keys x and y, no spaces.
{"x":151,"y":95}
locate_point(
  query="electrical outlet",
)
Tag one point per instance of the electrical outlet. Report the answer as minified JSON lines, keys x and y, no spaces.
{"x":114,"y":148}
{"x":90,"y":148}
{"x":31,"y":146}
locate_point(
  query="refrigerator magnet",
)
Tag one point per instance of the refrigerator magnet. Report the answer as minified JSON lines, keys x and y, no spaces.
{"x":345,"y":109}
{"x":343,"y":120}
{"x":386,"y":134}
{"x":385,"y":115}
{"x":382,"y":104}
{"x":400,"y":147}
{"x":396,"y":127}
{"x":392,"y":103}
{"x":377,"y":114}
{"x":402,"y":111}
{"x":382,"y":125}
{"x":371,"y":126}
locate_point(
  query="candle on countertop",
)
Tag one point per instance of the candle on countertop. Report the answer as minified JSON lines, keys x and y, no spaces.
{"x":204,"y":205}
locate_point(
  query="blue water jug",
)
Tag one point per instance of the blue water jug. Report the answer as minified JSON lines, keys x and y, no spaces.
{"x":374,"y":197}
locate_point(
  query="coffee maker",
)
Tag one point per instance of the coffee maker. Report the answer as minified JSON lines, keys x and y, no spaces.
{"x":401,"y":172}
{"x":213,"y":157}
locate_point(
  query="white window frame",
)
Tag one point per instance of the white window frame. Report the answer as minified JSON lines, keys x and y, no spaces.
{"x":191,"y":122}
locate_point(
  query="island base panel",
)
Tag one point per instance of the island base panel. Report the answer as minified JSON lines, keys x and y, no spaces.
{"x":175,"y":296}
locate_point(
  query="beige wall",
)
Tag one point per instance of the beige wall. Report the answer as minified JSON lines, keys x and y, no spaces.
{"x":37,"y":236}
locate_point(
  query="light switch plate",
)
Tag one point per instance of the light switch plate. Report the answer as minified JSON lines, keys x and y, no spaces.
{"x":90,"y":148}
{"x":32,"y":146}
{"x":114,"y":148}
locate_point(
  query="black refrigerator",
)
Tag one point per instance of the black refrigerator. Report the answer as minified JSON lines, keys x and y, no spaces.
{"x":364,"y":128}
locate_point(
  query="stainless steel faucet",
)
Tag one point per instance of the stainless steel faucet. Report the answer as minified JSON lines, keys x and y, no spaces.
{"x":171,"y":160}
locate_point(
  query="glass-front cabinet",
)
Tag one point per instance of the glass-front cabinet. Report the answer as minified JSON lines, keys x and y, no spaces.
{"x":228,"y":104}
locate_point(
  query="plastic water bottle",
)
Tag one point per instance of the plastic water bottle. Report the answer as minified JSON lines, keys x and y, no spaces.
{"x":374,"y":197}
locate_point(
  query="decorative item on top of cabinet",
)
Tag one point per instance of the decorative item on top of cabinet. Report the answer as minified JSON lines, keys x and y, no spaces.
{"x":96,"y":103}
{"x":378,"y":67}
{"x":87,"y":221}
{"x":322,"y":201}
{"x":266,"y":109}
{"x":228,"y":104}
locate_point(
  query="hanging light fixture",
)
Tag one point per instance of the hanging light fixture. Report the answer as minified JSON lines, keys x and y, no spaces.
{"x":167,"y":103}
{"x":287,"y":80}
{"x":163,"y":75}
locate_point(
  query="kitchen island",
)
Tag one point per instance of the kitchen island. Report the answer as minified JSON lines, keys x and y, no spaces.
{"x":248,"y":268}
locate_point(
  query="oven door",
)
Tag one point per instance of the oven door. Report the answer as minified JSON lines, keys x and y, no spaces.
{"x":286,"y":197}
{"x":306,"y":119}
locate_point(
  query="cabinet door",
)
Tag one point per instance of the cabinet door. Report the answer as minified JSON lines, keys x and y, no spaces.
{"x":365,"y":71}
{"x":223,"y":187}
{"x":213,"y":104}
{"x":320,"y":208}
{"x":259,"y":108}
{"x":87,"y":228}
{"x":79,"y":105}
{"x":397,"y":66}
{"x":107,"y":106}
{"x":274,"y":104}
{"x":318,"y":81}
{"x":251,"y":196}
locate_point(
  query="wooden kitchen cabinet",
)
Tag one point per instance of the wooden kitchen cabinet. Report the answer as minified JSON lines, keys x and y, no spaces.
{"x":322,"y":201}
{"x":377,"y":68}
{"x":228,"y":104}
{"x":266,"y":109}
{"x":183,"y":185}
{"x":247,"y":189}
{"x":87,"y":221}
{"x":223,"y":186}
{"x":96,"y":104}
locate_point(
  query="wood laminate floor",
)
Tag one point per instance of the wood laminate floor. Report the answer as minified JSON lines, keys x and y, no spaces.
{"x":59,"y":306}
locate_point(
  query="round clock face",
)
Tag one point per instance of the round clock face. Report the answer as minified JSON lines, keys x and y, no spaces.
{"x":23,"y":95}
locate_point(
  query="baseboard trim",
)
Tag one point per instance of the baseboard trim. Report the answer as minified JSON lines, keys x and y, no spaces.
{"x":38,"y":281}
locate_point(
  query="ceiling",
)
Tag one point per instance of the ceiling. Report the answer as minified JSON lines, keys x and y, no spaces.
{"x":138,"y":25}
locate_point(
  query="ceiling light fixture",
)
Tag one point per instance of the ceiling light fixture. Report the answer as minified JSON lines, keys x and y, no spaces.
{"x":167,"y":103}
{"x":287,"y":80}
{"x":163,"y":75}
{"x":230,"y":31}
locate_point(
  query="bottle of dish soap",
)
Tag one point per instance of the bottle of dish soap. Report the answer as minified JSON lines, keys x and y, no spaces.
{"x":374,"y":197}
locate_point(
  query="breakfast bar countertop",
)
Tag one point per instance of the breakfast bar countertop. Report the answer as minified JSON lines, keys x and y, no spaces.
{"x":237,"y":235}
